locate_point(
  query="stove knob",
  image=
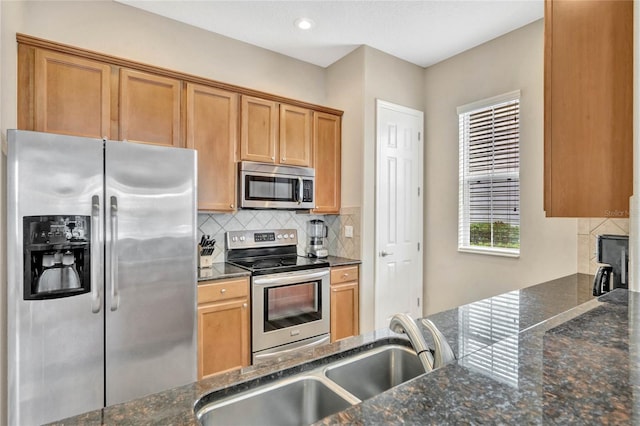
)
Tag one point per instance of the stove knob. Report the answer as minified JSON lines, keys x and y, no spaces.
{"x":286,"y":236}
{"x":242,"y":238}
{"x":279,"y":236}
{"x":234,"y":239}
{"x":292,"y":236}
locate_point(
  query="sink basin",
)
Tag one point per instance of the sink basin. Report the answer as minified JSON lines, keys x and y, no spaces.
{"x":313,"y":395}
{"x":373,"y":372}
{"x":295,"y":401}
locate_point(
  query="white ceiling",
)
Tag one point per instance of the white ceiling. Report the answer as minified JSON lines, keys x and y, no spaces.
{"x":421,"y":32}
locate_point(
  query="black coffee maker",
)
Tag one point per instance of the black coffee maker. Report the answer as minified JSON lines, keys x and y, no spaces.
{"x":613,"y":252}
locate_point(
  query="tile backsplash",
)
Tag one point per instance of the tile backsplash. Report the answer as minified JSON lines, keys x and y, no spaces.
{"x":217,"y":224}
{"x":588,"y":229}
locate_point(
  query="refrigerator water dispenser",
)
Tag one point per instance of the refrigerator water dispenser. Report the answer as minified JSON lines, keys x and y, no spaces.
{"x":56,"y":256}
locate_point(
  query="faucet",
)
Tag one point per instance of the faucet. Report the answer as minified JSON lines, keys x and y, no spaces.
{"x":403,"y":323}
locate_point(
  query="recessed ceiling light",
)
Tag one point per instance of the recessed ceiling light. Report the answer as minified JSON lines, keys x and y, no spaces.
{"x":304,"y":23}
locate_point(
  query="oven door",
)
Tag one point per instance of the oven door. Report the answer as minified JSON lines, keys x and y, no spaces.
{"x":289,"y":307}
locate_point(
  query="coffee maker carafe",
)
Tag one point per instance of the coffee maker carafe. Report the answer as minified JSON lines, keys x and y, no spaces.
{"x":317,"y":232}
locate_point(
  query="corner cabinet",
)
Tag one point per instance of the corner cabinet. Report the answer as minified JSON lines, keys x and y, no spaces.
{"x":588,"y":123}
{"x":327,"y":161}
{"x":212,"y":130}
{"x":345,"y":294}
{"x":223,"y":326}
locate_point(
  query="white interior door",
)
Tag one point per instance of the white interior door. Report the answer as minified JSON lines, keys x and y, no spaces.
{"x":398,"y":283}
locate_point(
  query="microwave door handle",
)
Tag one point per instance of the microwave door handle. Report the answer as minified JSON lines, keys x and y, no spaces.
{"x":300,"y":190}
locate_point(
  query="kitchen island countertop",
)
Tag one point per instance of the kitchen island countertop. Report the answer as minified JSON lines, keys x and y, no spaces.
{"x":546,"y":354}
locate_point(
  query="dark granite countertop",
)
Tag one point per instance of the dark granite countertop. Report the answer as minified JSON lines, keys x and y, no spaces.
{"x":220,"y":271}
{"x":547,"y":354}
{"x":342,"y":261}
{"x":223,"y":270}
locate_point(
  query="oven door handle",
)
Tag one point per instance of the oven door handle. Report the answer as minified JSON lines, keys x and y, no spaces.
{"x":291,"y":279}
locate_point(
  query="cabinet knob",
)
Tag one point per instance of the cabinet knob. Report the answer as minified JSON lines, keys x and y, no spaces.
{"x":244,"y":305}
{"x":223,"y":290}
{"x":284,"y":159}
{"x":345,"y":275}
{"x":231,"y":205}
{"x":273,"y":158}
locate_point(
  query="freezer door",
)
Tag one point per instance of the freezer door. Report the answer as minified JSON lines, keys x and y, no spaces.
{"x":150,"y":269}
{"x":55,"y":345}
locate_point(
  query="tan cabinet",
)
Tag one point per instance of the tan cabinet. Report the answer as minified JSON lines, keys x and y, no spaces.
{"x":327,"y":131}
{"x":259,"y":130}
{"x":223,"y":326}
{"x":212,"y":130}
{"x":345,"y":312}
{"x":295,"y":136}
{"x":588,"y":108}
{"x":275,"y":133}
{"x":149,"y":108}
{"x":72,"y":95}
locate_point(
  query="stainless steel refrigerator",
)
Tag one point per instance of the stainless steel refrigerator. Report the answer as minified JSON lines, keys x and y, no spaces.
{"x":101,"y":273}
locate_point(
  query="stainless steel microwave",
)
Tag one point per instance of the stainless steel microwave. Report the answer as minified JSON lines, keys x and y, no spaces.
{"x":272,"y":186}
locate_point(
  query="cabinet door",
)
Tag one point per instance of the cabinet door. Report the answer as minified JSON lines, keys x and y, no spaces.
{"x":149,"y":108}
{"x":588,"y":108}
{"x":259,"y":131}
{"x":344,"y":310}
{"x":295,"y":136}
{"x":327,"y":161}
{"x":72,"y":95}
{"x":212,"y":130}
{"x":223,"y":336}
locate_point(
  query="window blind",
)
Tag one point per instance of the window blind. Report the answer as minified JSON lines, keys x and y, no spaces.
{"x":489,"y":192}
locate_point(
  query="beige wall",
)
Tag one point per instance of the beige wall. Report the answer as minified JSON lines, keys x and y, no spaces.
{"x":353,"y":84}
{"x":548,"y":246}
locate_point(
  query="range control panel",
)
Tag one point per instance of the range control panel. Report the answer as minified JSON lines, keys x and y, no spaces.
{"x":261,"y":238}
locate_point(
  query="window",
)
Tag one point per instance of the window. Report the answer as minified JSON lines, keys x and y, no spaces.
{"x":489,"y":186}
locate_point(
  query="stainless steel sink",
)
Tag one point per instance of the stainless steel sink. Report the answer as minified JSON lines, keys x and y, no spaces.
{"x":311,"y":396}
{"x":373,"y":372}
{"x":295,"y":401}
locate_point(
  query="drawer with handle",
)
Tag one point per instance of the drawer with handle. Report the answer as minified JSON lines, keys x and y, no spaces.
{"x":214,"y":291}
{"x":344,"y":274}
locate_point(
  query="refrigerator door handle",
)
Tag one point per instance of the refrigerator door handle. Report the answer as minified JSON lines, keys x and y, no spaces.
{"x":96,"y":262}
{"x":115,"y":297}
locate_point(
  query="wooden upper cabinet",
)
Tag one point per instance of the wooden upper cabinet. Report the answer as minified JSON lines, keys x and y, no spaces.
{"x":150,"y":108}
{"x":327,"y":161}
{"x":212,"y":130}
{"x":71,"y":95}
{"x":588,"y":108}
{"x":259,"y":130}
{"x":295,"y":136}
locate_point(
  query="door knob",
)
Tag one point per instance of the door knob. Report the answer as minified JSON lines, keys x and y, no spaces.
{"x":385,"y":253}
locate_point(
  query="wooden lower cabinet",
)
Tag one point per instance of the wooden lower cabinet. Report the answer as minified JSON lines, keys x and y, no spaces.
{"x":223,"y":326}
{"x":345,"y":294}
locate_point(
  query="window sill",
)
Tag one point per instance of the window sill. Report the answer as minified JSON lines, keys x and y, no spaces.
{"x":490,"y":251}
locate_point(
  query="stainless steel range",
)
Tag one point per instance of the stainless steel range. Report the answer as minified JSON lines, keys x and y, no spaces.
{"x":289,"y":293}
